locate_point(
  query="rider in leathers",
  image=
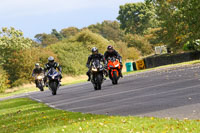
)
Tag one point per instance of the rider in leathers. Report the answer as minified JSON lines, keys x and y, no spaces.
{"x":37,"y":71}
{"x":111,"y":52}
{"x":95,"y":55}
{"x":51,"y":63}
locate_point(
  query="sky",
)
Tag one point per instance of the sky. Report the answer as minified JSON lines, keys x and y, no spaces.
{"x":41,"y":16}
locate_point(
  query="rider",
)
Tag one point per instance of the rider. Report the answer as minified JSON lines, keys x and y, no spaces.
{"x":111,"y":52}
{"x":52,"y":64}
{"x":37,"y":71}
{"x":95,"y":55}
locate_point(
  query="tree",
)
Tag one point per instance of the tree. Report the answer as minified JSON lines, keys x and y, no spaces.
{"x":46,"y":39}
{"x":56,"y":34}
{"x":12,"y":40}
{"x":108,"y":29}
{"x":20,"y":68}
{"x":68,"y":32}
{"x":151,"y":34}
{"x":4,"y":82}
{"x":179,"y":21}
{"x":135,"y":18}
{"x":189,"y":10}
{"x":139,"y":42}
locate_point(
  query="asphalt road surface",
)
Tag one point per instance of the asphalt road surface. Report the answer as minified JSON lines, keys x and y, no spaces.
{"x":172,"y":92}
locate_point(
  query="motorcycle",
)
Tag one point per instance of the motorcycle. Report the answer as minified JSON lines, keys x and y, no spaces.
{"x":113,"y":68}
{"x":53,"y":80}
{"x":97,"y":70}
{"x":40,"y":81}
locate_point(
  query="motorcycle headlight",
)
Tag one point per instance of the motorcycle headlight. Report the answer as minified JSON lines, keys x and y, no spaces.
{"x":53,"y":77}
{"x":94,"y":69}
{"x":117,"y":65}
{"x":110,"y":66}
{"x":39,"y":77}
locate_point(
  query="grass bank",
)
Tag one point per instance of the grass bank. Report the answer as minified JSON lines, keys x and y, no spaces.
{"x":80,"y":79}
{"x":25,"y":115}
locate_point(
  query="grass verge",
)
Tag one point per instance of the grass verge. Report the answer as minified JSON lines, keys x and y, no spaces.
{"x":25,"y":115}
{"x":31,"y":87}
{"x":80,"y":79}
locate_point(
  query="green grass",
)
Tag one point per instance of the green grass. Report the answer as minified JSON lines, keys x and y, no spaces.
{"x":22,"y":90}
{"x":75,"y":82}
{"x":19,"y":91}
{"x":25,"y":115}
{"x":32,"y":89}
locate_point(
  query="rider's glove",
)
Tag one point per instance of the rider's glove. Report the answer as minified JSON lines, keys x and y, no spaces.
{"x":60,"y":73}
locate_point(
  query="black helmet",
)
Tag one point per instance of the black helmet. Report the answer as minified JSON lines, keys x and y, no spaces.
{"x":51,"y":60}
{"x":94,"y":50}
{"x":110,"y":47}
{"x":37,"y":65}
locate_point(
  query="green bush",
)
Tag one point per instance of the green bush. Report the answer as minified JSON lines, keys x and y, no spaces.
{"x":90,"y":39}
{"x":194,"y":45}
{"x":139,"y":42}
{"x":4,"y":82}
{"x":122,"y":48}
{"x":72,"y":55}
{"x":133,"y":53}
{"x":20,"y":68}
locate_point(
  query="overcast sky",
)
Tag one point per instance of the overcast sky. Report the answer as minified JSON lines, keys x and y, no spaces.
{"x":41,"y":16}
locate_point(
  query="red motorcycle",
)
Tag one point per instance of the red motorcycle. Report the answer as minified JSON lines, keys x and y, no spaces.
{"x":113,"y":68}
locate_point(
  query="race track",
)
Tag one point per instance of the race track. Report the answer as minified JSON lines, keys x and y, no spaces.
{"x":171,"y":92}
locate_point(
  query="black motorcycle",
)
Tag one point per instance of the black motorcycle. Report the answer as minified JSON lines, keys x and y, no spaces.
{"x":97,"y":71}
{"x":53,"y":80}
{"x":40,"y":81}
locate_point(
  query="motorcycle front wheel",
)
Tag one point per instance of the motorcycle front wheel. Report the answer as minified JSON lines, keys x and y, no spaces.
{"x":115,"y":78}
{"x":99,"y":81}
{"x":53,"y":86}
{"x":40,"y":86}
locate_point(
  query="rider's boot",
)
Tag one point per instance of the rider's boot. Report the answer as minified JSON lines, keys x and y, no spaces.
{"x":89,"y":78}
{"x":120,"y":73}
{"x":46,"y":84}
{"x":36,"y":84}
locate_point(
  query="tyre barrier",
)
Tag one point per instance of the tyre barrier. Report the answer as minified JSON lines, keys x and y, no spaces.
{"x":161,"y":60}
{"x":140,"y":65}
{"x":167,"y":59}
{"x":129,"y":67}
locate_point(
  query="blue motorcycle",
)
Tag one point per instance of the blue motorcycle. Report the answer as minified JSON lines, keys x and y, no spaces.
{"x":53,"y":80}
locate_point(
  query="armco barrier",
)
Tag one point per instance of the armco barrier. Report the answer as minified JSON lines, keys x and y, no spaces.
{"x":166,"y":59}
